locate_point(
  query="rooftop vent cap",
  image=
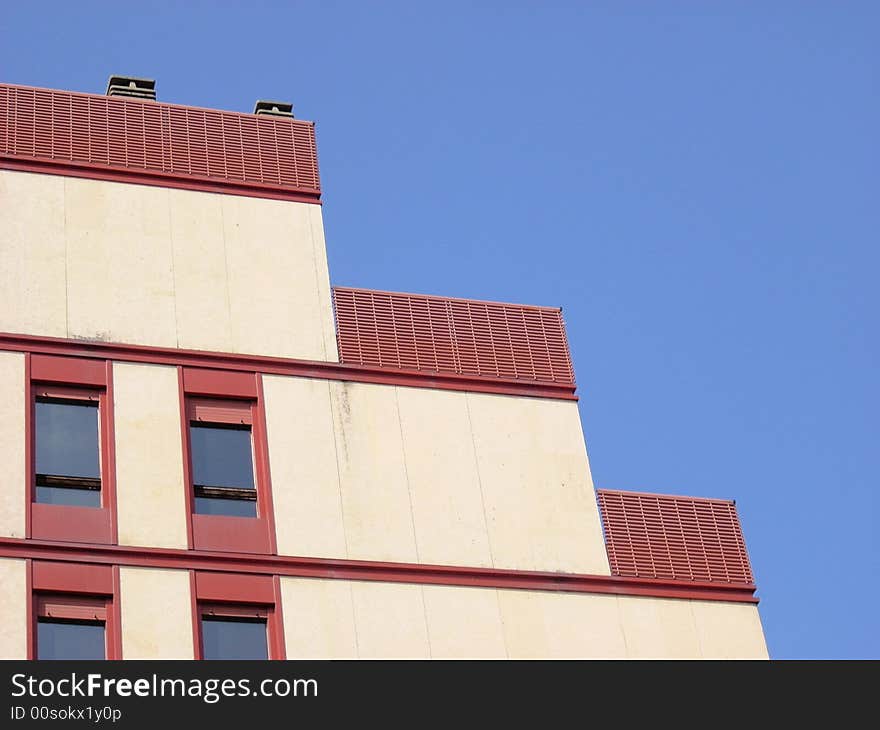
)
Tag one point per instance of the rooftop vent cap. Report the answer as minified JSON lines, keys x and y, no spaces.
{"x":132,"y":86}
{"x":274,"y":108}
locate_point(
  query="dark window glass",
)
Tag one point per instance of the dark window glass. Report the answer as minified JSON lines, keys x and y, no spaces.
{"x":68,"y":496}
{"x":60,"y":639}
{"x":68,"y":464}
{"x":222,"y":456}
{"x":226,"y":507}
{"x":223,"y":470}
{"x":234,"y":638}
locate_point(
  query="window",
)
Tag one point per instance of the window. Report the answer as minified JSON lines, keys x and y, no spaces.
{"x":237,"y":616}
{"x":234,"y":632}
{"x":71,"y":627}
{"x":70,"y":455}
{"x":68,"y":458}
{"x":226,"y":460}
{"x":221,"y":448}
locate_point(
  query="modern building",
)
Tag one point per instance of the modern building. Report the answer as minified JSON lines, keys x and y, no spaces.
{"x":208,"y":451}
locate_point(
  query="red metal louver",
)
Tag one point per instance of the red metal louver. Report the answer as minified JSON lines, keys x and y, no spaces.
{"x":682,"y":538}
{"x":418,"y":332}
{"x":122,"y":135}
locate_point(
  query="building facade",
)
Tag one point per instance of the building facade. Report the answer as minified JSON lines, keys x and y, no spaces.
{"x":207,"y":451}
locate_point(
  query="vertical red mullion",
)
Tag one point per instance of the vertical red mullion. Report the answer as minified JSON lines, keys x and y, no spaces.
{"x":108,"y":452}
{"x":184,"y":438}
{"x":277,"y":647}
{"x":31,"y":629}
{"x":261,"y":455}
{"x":196,"y":618}
{"x":113,"y":621}
{"x":29,"y":446}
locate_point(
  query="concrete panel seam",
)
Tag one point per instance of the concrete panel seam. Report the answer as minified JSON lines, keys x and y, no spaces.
{"x":412,"y":518}
{"x":467,"y":403}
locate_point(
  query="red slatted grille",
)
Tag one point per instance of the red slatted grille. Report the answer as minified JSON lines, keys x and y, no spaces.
{"x":148,"y":136}
{"x":682,"y":538}
{"x":416,"y":332}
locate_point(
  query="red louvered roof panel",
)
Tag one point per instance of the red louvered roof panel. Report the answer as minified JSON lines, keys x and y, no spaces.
{"x":463,"y":336}
{"x":679,"y":538}
{"x":133,"y":135}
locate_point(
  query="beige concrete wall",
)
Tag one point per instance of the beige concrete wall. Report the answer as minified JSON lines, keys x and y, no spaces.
{"x":33,"y":286}
{"x":541,"y":510}
{"x":155,"y":266}
{"x":318,"y":618}
{"x":150,"y":489}
{"x":430,"y":476}
{"x":729,"y":630}
{"x":13,"y":609}
{"x":156,"y":612}
{"x":344,"y":619}
{"x":12,"y":443}
{"x":305,"y":478}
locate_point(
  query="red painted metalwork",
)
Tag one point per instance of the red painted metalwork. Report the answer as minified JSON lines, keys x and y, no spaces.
{"x":674,"y":538}
{"x":443,"y":335}
{"x":236,"y":594}
{"x":76,"y":591}
{"x":234,"y":397}
{"x":126,"y":139}
{"x":232,"y":362}
{"x":415,"y":573}
{"x":89,"y":379}
{"x":234,"y":588}
{"x":72,"y":578}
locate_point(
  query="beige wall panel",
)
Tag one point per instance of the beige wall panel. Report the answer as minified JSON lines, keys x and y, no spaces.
{"x":561,"y":625}
{"x":659,"y":628}
{"x":464,"y":622}
{"x":200,"y":277}
{"x":322,"y":279}
{"x":305,"y":479}
{"x":390,"y":620}
{"x":12,"y":442}
{"x":444,"y":485}
{"x":318,"y":619}
{"x":13,"y":609}
{"x":151,"y":497}
{"x":274,"y":303}
{"x":120,"y":285}
{"x":171,"y":268}
{"x":729,"y":630}
{"x":540,"y":506}
{"x":156,"y":614}
{"x":32,"y":271}
{"x":375,"y":495}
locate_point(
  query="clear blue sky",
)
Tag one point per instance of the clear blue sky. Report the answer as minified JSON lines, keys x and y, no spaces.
{"x":697,"y":186}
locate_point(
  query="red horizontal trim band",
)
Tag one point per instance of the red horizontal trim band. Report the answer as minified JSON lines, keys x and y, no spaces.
{"x":94,"y":171}
{"x":284,"y":366}
{"x":372,"y":571}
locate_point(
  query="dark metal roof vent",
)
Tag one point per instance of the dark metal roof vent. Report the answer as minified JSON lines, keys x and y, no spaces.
{"x":274,"y":108}
{"x":132,"y":87}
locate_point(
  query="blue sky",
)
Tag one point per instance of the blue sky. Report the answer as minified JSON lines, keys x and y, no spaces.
{"x":696,"y":184}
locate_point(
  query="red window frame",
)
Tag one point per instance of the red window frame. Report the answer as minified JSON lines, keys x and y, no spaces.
{"x":238,"y":595}
{"x":78,"y":591}
{"x":73,"y":379}
{"x":228,"y":397}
